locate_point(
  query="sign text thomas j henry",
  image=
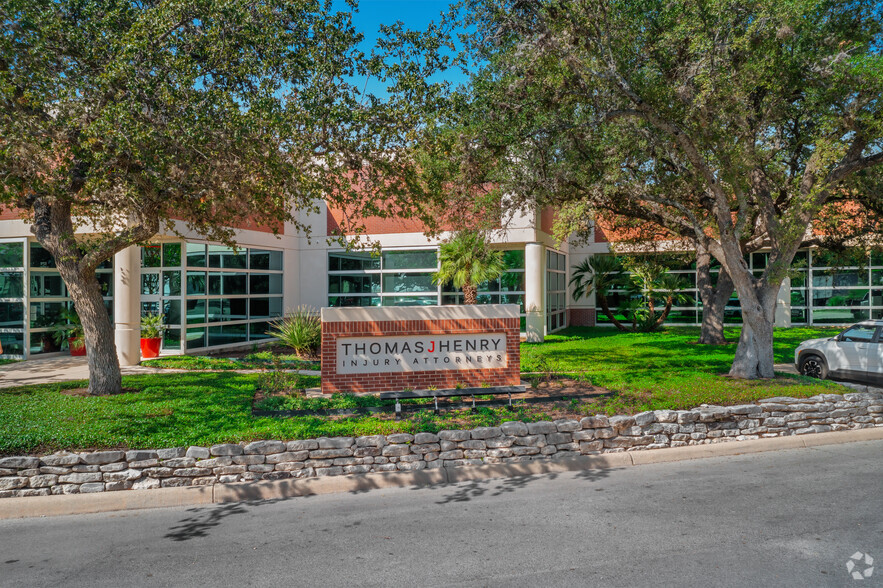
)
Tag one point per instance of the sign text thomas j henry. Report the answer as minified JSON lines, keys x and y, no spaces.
{"x":371,"y":355}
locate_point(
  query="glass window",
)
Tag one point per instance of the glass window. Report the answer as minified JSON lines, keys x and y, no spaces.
{"x":858,"y":334}
{"x":171,"y":255}
{"x":353,"y":261}
{"x":840,"y":297}
{"x":266,"y":283}
{"x":260,"y":259}
{"x":149,"y":308}
{"x":171,"y":339}
{"x":828,"y":278}
{"x":227,"y":309}
{"x":151,"y":256}
{"x":171,"y":283}
{"x":514,"y":259}
{"x":12,"y":284}
{"x":353,"y":301}
{"x":196,"y":311}
{"x":798,"y":297}
{"x":45,"y":314}
{"x":13,"y":343}
{"x":195,"y":283}
{"x":402,"y":282}
{"x":798,"y":315}
{"x":235,"y":284}
{"x":258,"y":331}
{"x":40,"y":257}
{"x":221,"y":256}
{"x":171,"y":310}
{"x":838,"y":316}
{"x":265,"y":307}
{"x":410,"y":259}
{"x":512,"y":282}
{"x":12,"y":315}
{"x":227,"y":334}
{"x":196,"y":338}
{"x":105,"y":283}
{"x":410,"y":300}
{"x":195,"y":255}
{"x":150,"y":284}
{"x":12,"y":255}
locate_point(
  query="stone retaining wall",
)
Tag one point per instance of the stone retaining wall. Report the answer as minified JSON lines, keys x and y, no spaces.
{"x":103,"y":471}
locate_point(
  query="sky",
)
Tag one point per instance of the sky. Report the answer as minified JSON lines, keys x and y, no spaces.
{"x":415,"y":14}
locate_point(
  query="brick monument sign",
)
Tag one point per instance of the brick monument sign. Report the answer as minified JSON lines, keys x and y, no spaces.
{"x":386,"y":349}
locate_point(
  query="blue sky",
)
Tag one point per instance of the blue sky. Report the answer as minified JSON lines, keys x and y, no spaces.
{"x":415,"y":14}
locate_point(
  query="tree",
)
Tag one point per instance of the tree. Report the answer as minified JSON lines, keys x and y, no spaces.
{"x":735,"y":121}
{"x":467,"y":261}
{"x":648,"y":282}
{"x":120,"y":117}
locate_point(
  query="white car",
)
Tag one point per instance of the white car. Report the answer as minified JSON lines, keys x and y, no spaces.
{"x":854,"y":354}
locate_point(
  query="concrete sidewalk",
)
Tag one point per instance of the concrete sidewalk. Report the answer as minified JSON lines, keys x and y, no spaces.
{"x":58,"y":369}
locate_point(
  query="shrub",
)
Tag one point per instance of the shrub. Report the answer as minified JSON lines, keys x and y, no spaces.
{"x":152,"y":326}
{"x":300,"y":329}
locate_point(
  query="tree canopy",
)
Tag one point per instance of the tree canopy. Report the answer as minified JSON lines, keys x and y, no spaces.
{"x":120,"y":117}
{"x":733,"y":122}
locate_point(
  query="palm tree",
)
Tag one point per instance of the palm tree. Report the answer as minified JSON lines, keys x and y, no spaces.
{"x":466,"y":261}
{"x":598,"y":273}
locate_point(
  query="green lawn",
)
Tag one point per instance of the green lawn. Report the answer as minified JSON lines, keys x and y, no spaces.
{"x":667,"y":369}
{"x":170,"y":410}
{"x":252,"y":361}
{"x":643,"y":371}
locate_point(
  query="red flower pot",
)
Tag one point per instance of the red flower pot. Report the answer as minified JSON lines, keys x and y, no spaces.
{"x":150,"y":347}
{"x":77,"y":347}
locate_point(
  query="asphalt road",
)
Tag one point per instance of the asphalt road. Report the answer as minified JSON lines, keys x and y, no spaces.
{"x":786,"y":518}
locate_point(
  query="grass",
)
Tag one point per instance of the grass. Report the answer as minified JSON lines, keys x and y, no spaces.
{"x":252,"y":361}
{"x":667,"y":369}
{"x":187,"y":409}
{"x":642,"y":371}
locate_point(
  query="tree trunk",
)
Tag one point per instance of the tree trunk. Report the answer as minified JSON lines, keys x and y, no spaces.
{"x":669,"y":301}
{"x":754,"y":353}
{"x":470,"y":294}
{"x":54,"y":230}
{"x":101,"y":353}
{"x":714,"y":299}
{"x":605,"y":306}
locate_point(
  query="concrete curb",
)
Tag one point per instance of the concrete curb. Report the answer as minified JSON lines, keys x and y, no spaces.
{"x":17,"y":508}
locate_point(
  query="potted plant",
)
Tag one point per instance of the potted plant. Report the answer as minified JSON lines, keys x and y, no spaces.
{"x":69,"y":327}
{"x":47,"y":338}
{"x":152,"y":327}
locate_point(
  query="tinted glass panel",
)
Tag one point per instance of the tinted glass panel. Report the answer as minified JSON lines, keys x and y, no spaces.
{"x":171,"y":283}
{"x":171,"y":339}
{"x":514,"y":259}
{"x":227,"y":309}
{"x":196,"y":311}
{"x":838,"y":316}
{"x":12,"y":255}
{"x":195,"y":338}
{"x":171,"y":254}
{"x":151,"y":256}
{"x":40,"y":257}
{"x":195,"y":283}
{"x":265,"y":260}
{"x":353,"y":301}
{"x":196,"y":254}
{"x":410,"y":301}
{"x":171,"y":310}
{"x":258,"y":331}
{"x":13,"y":343}
{"x":266,"y":283}
{"x":421,"y":282}
{"x":150,"y":284}
{"x":12,"y":284}
{"x":410,"y":259}
{"x":12,"y":315}
{"x":265,"y":307}
{"x":353,"y":261}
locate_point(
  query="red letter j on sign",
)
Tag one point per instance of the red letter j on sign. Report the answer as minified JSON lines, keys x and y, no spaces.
{"x":432,"y":348}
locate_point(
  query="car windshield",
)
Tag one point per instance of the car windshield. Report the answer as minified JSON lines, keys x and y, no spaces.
{"x":858,"y":334}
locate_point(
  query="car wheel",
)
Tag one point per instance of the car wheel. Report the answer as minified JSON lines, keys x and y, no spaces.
{"x":813,"y":366}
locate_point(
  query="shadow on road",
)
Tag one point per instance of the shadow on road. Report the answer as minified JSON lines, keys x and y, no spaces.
{"x":202,"y":520}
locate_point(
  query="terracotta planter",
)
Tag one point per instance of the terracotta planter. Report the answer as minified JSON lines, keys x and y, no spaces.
{"x":77,"y":347}
{"x":150,"y":347}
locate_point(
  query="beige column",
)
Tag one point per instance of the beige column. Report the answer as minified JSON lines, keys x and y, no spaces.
{"x":783,"y":304}
{"x":127,"y":305}
{"x":534,"y":281}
